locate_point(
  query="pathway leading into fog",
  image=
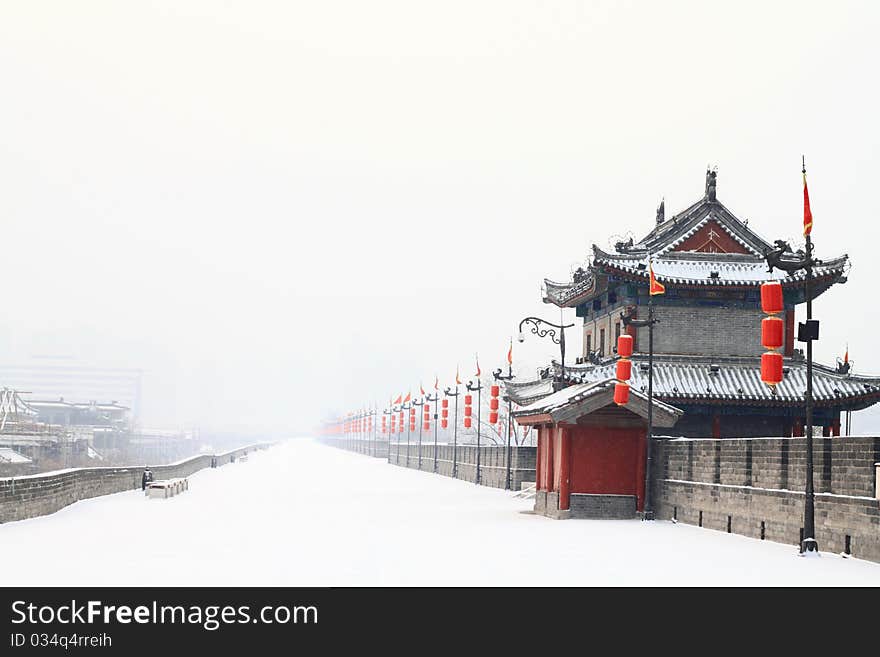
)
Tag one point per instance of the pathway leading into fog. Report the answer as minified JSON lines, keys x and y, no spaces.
{"x":302,"y":514}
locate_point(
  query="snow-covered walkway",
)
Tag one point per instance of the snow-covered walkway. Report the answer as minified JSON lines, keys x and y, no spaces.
{"x":305,"y":514}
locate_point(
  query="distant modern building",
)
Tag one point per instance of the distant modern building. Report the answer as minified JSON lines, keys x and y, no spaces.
{"x":56,"y":379}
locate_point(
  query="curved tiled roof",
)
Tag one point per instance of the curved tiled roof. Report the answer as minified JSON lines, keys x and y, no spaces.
{"x":735,"y":380}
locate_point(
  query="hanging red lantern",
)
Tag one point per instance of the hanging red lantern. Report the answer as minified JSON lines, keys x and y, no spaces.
{"x":445,"y":403}
{"x":427,"y":408}
{"x":444,"y":423}
{"x":468,"y":400}
{"x":445,"y":412}
{"x":771,"y":332}
{"x":771,"y":368}
{"x":624,"y":369}
{"x":494,"y":390}
{"x":625,"y":346}
{"x":771,"y":298}
{"x":493,"y":404}
{"x":493,"y":417}
{"x":426,"y":425}
{"x":467,"y":422}
{"x":621,"y":393}
{"x":467,"y":411}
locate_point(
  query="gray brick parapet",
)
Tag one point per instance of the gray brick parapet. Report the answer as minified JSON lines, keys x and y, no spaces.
{"x":493,"y":460}
{"x":41,"y":494}
{"x":755,"y":487}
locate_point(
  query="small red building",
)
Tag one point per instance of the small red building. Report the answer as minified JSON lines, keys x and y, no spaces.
{"x":591,"y":455}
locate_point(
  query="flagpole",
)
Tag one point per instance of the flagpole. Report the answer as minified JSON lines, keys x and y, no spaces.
{"x":809,"y":543}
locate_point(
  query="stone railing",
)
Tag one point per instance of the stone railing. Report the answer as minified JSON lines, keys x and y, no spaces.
{"x":30,"y":496}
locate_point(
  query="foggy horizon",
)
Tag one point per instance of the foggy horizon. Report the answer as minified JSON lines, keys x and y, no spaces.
{"x":279,"y":213}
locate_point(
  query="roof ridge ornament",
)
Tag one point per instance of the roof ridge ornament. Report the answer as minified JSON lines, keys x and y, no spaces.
{"x":711,"y":183}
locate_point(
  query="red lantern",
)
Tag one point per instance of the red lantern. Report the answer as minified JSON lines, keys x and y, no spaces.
{"x":771,"y":332}
{"x":426,"y":425}
{"x":771,"y":298}
{"x":467,"y":411}
{"x":467,"y":423}
{"x":493,"y":417}
{"x":427,"y":408}
{"x":624,"y":369}
{"x":621,"y":393}
{"x":412,"y":411}
{"x":771,"y":368}
{"x":444,"y":423}
{"x":445,"y":403}
{"x":494,"y":391}
{"x":493,"y":404}
{"x":625,"y":346}
{"x":445,"y":412}
{"x":468,"y":400}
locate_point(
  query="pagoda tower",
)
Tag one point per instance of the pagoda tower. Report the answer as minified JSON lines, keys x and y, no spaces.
{"x":707,"y":342}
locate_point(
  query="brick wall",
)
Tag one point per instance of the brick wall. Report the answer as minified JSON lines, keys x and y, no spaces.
{"x":493,"y":461}
{"x":37,"y":495}
{"x":755,"y":485}
{"x":686,"y":330}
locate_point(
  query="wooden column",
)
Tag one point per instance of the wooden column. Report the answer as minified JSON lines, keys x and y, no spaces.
{"x":835,"y":425}
{"x":789,"y":334}
{"x":640,"y":470}
{"x":798,"y":428}
{"x":564,"y":467}
{"x":716,"y":426}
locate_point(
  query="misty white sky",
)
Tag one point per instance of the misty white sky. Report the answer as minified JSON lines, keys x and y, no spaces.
{"x":281,"y":209}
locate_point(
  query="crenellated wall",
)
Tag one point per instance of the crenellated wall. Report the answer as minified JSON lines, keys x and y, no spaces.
{"x":754,"y":487}
{"x":493,"y":460}
{"x":41,"y":494}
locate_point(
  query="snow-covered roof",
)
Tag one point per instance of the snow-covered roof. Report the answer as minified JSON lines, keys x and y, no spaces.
{"x":666,"y":245}
{"x":9,"y":455}
{"x":575,"y":401}
{"x":691,"y":268}
{"x":729,"y":380}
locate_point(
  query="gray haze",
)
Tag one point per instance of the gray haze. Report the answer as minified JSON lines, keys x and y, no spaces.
{"x":280,"y":210}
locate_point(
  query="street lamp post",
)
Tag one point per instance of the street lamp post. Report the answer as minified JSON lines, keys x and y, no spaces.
{"x":499,"y":377}
{"x":551,"y":332}
{"x":648,"y":512}
{"x":434,"y":400}
{"x":405,"y":407}
{"x":455,"y":394}
{"x":807,"y":332}
{"x":389,"y":412}
{"x":419,"y":404}
{"x":479,"y":387}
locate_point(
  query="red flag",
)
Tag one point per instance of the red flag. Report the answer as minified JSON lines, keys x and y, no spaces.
{"x":436,"y":382}
{"x":846,"y":355}
{"x":808,"y":215}
{"x":510,"y":353}
{"x":655,"y":286}
{"x":421,"y":389}
{"x":408,"y":397}
{"x":457,"y":378}
{"x":399,"y":399}
{"x":478,"y":365}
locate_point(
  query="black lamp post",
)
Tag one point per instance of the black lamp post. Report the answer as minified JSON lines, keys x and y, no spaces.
{"x":371,"y":440}
{"x":498,"y":377}
{"x":433,"y":400}
{"x":405,"y":406}
{"x":648,"y":512}
{"x":389,"y":412}
{"x":419,"y":404}
{"x":448,"y":392}
{"x":479,"y":387}
{"x":807,"y":332}
{"x":551,"y":332}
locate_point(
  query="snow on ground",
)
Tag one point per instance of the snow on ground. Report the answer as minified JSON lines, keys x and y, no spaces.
{"x":302,"y":514}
